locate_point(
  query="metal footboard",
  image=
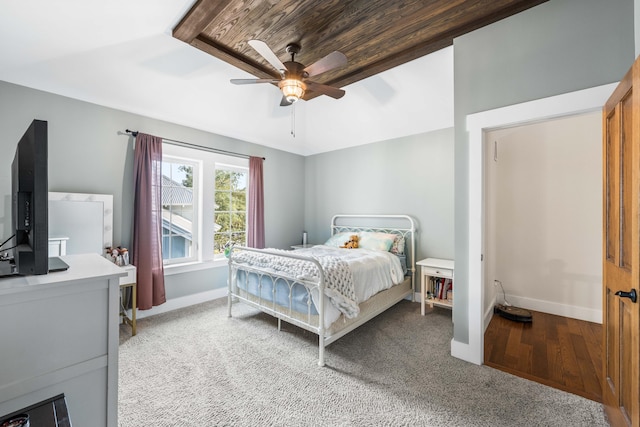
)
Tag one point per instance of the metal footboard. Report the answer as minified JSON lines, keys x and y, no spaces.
{"x":266,"y":299}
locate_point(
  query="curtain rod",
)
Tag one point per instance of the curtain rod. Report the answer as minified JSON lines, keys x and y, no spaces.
{"x":134,"y":133}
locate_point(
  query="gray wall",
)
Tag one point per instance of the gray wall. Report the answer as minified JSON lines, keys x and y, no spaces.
{"x":87,"y":154}
{"x":411,"y":175}
{"x":557,"y":47}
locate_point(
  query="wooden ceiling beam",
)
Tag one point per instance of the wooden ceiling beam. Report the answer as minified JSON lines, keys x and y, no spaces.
{"x":233,"y":58}
{"x":197,"y":19}
{"x":375,"y":35}
{"x":444,"y":39}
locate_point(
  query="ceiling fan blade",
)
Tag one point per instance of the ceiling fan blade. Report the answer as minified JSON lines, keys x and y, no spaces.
{"x":331,"y":91}
{"x":251,"y":81}
{"x":284,"y":102}
{"x":333,"y":60}
{"x":263,"y":49}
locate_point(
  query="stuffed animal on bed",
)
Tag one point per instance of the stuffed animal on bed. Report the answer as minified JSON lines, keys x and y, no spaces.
{"x":352,"y":243}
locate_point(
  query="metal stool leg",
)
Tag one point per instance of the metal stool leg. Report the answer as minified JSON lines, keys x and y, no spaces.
{"x":134,"y":302}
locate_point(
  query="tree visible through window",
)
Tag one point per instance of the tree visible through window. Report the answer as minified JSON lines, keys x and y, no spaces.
{"x":231,"y":208}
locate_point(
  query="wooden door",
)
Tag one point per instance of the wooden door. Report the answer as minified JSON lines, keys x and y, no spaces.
{"x":621,"y":255}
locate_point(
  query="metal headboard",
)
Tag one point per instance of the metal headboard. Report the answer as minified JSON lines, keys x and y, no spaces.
{"x":376,"y":223}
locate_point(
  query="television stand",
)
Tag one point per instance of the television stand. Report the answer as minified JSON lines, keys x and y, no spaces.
{"x":46,"y":351}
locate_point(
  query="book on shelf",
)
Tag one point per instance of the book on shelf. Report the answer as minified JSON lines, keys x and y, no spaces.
{"x":440,"y":288}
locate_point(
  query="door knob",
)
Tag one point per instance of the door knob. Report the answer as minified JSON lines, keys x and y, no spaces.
{"x":633,"y":295}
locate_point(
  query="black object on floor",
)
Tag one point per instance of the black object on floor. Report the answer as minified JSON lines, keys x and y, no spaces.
{"x":51,"y":412}
{"x":516,"y":314}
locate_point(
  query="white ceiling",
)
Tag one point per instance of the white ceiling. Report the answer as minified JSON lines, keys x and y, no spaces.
{"x":120,"y":54}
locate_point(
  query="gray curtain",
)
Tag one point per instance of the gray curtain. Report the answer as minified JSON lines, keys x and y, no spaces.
{"x":147,"y":221}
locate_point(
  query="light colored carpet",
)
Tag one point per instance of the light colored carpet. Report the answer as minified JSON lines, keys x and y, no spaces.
{"x":197,"y":367}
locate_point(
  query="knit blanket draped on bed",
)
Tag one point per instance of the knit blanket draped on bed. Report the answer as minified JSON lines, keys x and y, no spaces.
{"x":338,"y":279}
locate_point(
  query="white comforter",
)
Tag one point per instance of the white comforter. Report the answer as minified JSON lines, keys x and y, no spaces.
{"x":373,"y":271}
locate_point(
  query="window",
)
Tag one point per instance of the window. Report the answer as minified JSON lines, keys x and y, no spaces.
{"x":231,"y":207}
{"x":179,"y":210}
{"x":204,"y":204}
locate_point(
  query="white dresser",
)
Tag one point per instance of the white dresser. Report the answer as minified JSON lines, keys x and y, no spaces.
{"x":59,"y":335}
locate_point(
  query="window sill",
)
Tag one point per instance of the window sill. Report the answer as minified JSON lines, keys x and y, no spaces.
{"x":170,"y":270}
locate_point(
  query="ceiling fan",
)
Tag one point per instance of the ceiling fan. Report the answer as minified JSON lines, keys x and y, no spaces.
{"x":293,"y":75}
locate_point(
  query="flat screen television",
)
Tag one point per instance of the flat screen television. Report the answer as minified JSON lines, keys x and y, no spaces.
{"x":30,"y":204}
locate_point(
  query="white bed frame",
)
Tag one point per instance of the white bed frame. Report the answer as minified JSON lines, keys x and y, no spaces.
{"x":396,"y":224}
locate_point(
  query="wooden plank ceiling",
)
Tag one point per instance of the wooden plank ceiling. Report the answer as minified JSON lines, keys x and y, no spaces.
{"x":375,"y":35}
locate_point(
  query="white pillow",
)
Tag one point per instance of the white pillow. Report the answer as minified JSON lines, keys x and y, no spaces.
{"x":376,"y":241}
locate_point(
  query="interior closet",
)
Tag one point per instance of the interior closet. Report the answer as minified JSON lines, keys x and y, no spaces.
{"x":542,"y":246}
{"x":543,"y":216}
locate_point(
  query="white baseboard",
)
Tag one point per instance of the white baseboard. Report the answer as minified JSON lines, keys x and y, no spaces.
{"x":465,"y":352}
{"x":181,"y":302}
{"x":488,"y":314}
{"x":565,"y":310}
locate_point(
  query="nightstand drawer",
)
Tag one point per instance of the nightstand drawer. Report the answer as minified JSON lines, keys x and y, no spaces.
{"x":437,"y":272}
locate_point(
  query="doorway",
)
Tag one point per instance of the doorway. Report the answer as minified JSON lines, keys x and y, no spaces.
{"x":543,"y":216}
{"x":543,"y":246}
{"x":478,"y":314}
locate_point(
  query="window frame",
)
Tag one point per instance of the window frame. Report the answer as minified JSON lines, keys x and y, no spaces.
{"x":196,"y":222}
{"x":240,"y":169}
{"x":206,"y":205}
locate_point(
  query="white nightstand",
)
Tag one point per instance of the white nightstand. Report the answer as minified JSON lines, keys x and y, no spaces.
{"x":434,"y":267}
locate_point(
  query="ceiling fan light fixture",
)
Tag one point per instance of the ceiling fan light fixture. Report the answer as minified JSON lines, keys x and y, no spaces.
{"x":292,"y":89}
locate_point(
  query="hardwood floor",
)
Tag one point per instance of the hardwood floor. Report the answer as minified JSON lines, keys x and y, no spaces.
{"x":556,"y":351}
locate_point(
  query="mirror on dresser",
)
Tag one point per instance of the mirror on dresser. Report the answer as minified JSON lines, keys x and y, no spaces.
{"x":80,"y":223}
